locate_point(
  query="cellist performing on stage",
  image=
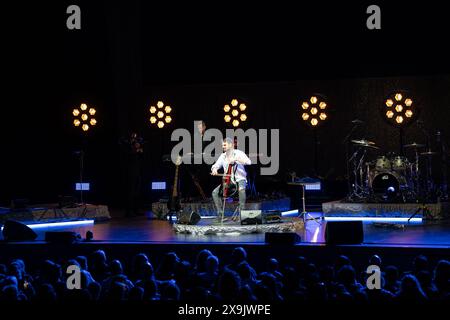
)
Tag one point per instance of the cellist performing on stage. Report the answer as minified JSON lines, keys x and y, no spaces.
{"x":232,"y":161}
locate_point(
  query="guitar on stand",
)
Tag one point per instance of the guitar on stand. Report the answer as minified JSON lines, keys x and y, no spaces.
{"x":174,"y":203}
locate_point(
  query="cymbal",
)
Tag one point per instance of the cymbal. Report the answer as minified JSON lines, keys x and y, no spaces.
{"x":414,"y":145}
{"x":370,"y":146}
{"x":366,"y":145}
{"x":428,"y":153}
{"x":363,"y":142}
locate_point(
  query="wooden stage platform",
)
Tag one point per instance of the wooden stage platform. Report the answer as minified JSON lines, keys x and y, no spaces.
{"x":124,"y":237}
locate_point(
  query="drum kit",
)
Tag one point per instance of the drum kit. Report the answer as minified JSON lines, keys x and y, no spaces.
{"x":390,"y":177}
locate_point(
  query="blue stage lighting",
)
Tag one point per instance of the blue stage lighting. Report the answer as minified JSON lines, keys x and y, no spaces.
{"x":313,"y":186}
{"x":85,"y":186}
{"x":159,"y":185}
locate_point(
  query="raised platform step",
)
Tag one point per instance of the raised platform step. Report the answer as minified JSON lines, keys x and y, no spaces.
{"x":212,"y":227}
{"x":434,"y":211}
{"x":52,"y":212}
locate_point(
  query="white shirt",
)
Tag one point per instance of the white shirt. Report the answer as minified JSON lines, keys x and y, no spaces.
{"x":238,"y":171}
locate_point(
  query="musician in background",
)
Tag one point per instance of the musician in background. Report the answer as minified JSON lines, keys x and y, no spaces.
{"x":238,"y":160}
{"x":201,"y":128}
{"x":134,"y":146}
{"x":195,"y":177}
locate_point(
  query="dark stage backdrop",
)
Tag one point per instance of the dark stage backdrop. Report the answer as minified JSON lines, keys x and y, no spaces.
{"x":131,"y":53}
{"x":42,"y":163}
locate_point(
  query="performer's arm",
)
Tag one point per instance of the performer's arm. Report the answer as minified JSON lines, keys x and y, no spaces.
{"x":242,"y":158}
{"x":217,"y":165}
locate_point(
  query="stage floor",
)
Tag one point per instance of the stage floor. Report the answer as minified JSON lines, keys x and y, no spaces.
{"x":142,"y":229}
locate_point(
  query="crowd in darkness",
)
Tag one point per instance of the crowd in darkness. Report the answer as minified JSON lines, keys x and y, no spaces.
{"x":209,"y":279}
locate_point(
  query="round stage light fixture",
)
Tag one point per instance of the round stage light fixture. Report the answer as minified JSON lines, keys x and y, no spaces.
{"x":314,"y":111}
{"x":399,"y":109}
{"x":160,"y":114}
{"x":84,"y":116}
{"x":235,"y":113}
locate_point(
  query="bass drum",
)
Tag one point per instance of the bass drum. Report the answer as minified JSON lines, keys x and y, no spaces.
{"x":387,"y":182}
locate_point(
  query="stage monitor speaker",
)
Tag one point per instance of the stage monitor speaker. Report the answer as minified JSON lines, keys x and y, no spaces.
{"x":344,"y":232}
{"x":16,"y":231}
{"x":65,"y":237}
{"x":188,"y":217}
{"x":286,"y":238}
{"x":249,"y":217}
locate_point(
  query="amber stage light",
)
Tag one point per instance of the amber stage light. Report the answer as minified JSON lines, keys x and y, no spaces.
{"x":235,"y":113}
{"x":84,"y":117}
{"x":160,"y":114}
{"x":399,"y":109}
{"x":314,"y":111}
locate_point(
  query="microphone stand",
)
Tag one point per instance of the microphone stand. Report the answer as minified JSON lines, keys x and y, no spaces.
{"x":424,"y":197}
{"x":428,"y":184}
{"x":347,"y":160}
{"x":443,"y":149}
{"x":81,"y":154}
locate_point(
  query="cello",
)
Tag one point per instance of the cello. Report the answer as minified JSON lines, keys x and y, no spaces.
{"x":228,"y":188}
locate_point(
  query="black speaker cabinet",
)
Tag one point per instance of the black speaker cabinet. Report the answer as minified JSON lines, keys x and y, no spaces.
{"x":286,"y":238}
{"x":188,"y":217}
{"x":344,"y":232}
{"x":16,"y":231}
